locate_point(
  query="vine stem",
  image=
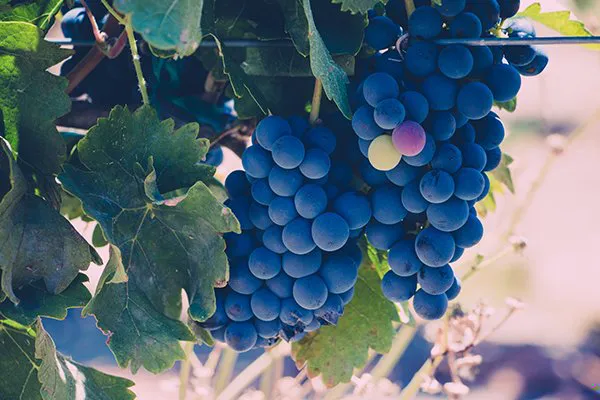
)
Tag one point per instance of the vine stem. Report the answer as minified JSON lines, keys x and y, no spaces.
{"x":386,"y":364}
{"x":228,"y":360}
{"x":410,"y":7}
{"x":186,"y":368}
{"x":316,"y":102}
{"x":136,"y":62}
{"x":487,"y":262}
{"x":114,"y":13}
{"x":247,"y":376}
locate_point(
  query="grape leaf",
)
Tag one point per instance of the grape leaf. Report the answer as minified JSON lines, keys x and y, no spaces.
{"x":502,"y":172}
{"x":132,"y":161}
{"x":34,"y":370}
{"x":166,"y":25}
{"x":559,"y":21}
{"x":357,"y":6}
{"x":334,"y":351}
{"x":37,"y":12}
{"x":36,"y":242}
{"x":510,"y":105}
{"x":36,"y":301}
{"x":31,"y":98}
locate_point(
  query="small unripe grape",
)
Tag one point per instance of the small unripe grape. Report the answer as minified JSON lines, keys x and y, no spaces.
{"x":409,"y":138}
{"x":382,"y":153}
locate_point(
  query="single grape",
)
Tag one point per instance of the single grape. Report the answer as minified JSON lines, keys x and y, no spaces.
{"x":421,"y":59}
{"x":382,"y":153}
{"x":434,"y":248}
{"x":288,"y":152}
{"x":504,"y":81}
{"x":270,"y":129}
{"x":535,"y":67}
{"x":387,"y":204}
{"x":465,"y":134}
{"x":381,"y":33}
{"x":299,"y":266}
{"x":402,"y":174}
{"x":364,"y":125}
{"x":261,"y":192}
{"x":241,"y":336}
{"x":483,"y":59}
{"x":310,"y":200}
{"x":297,"y":236}
{"x":398,"y":288}
{"x":299,"y":125}
{"x":354,"y":208}
{"x":239,"y":245}
{"x":403,"y":259}
{"x":457,"y":254}
{"x":494,"y":157}
{"x":76,"y":25}
{"x":442,"y":125}
{"x":486,"y":188}
{"x":412,"y":199}
{"x":449,"y":215}
{"x":425,"y":156}
{"x":382,"y":236}
{"x":281,"y":285}
{"x":425,"y":22}
{"x":363,"y":145}
{"x":475,"y":100}
{"x":416,"y":106}
{"x":466,"y":25}
{"x":330,"y":231}
{"x":490,"y":131}
{"x":389,"y":113}
{"x":460,"y":119}
{"x":293,"y":314}
{"x":236,"y":184}
{"x":257,"y":162}
{"x":310,"y":292}
{"x":241,"y":209}
{"x":272,"y":239}
{"x":237,"y":307}
{"x":331,"y":311}
{"x":469,"y":184}
{"x":437,"y":186}
{"x":435,"y":280}
{"x":448,"y":157}
{"x":285,"y":182}
{"x":455,"y":61}
{"x":265,"y":305}
{"x":373,"y":177}
{"x":322,"y":138}
{"x":380,"y":86}
{"x":282,"y":211}
{"x":488,"y":12}
{"x":473,"y":156}
{"x":316,"y":164}
{"x":241,"y":280}
{"x":440,"y":92}
{"x":263,"y":263}
{"x":259,"y":215}
{"x":428,"y":306}
{"x":451,"y":8}
{"x":470,"y":233}
{"x":409,"y":138}
{"x":339,"y":273}
{"x":313,"y":326}
{"x":219,"y":319}
{"x":215,"y":156}
{"x":219,"y":334}
{"x":347,"y":296}
{"x":454,"y":290}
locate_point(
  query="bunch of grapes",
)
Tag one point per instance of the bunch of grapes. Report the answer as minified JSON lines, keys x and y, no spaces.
{"x":424,"y":121}
{"x":294,"y":266}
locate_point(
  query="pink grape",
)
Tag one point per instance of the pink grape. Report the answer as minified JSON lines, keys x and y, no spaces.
{"x":409,"y":138}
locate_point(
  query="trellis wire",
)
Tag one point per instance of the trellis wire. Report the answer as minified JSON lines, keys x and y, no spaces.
{"x":551,"y":40}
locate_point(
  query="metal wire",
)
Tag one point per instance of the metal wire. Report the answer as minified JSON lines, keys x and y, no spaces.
{"x":240,"y":43}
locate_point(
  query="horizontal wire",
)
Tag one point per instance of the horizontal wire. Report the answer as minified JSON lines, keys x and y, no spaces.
{"x":511,"y":41}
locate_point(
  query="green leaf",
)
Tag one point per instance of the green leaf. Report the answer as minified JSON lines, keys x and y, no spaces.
{"x":166,"y":245}
{"x":357,"y":6}
{"x":502,"y":172}
{"x":36,"y":242}
{"x":17,"y":346}
{"x":285,"y":62}
{"x":559,"y":21}
{"x":37,"y":12}
{"x":510,"y":105}
{"x":334,"y":351}
{"x":166,"y":25}
{"x":31,"y":98}
{"x":36,"y":301}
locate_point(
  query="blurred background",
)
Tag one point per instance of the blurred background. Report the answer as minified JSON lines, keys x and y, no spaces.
{"x":548,"y":350}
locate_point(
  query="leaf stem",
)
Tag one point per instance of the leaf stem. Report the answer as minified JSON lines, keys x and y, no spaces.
{"x":136,"y":62}
{"x":186,"y":367}
{"x":477,"y":266}
{"x":316,"y":102}
{"x":225,"y":370}
{"x":410,"y":7}
{"x":386,"y":364}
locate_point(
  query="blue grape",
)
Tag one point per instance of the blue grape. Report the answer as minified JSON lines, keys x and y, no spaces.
{"x":310,"y":292}
{"x":347,"y":296}
{"x":339,"y":273}
{"x":237,"y":307}
{"x":285,"y":182}
{"x":76,"y":25}
{"x":272,"y":239}
{"x":219,"y":334}
{"x":428,"y":306}
{"x":381,"y":33}
{"x":457,"y":253}
{"x":387,"y":204}
{"x":490,"y":131}
{"x":520,"y":55}
{"x":239,"y":245}
{"x":259,"y":215}
{"x":297,"y":236}
{"x":455,"y":61}
{"x":265,"y":305}
{"x":281,"y":285}
{"x":536,"y":66}
{"x":440,"y":92}
{"x":354,"y":208}
{"x":364,"y":145}
{"x":390,"y":63}
{"x":257,"y":162}
{"x":270,"y":129}
{"x":442,"y":125}
{"x":370,"y":175}
{"x":486,"y":188}
{"x":389,"y":113}
{"x":464,"y":134}
{"x":469,"y":184}
{"x":473,"y":156}
{"x":352,"y":250}
{"x":437,"y":186}
{"x":398,"y":288}
{"x":434,"y":248}
{"x":330,"y":231}
{"x":382,"y":236}
{"x":380,"y":86}
{"x":322,"y":138}
{"x":293,"y":314}
{"x":470,"y":233}
{"x":241,"y":208}
{"x":310,"y":201}
{"x":504,"y":81}
{"x":316,"y":164}
{"x":483,"y":59}
{"x":331,"y":311}
{"x":451,"y":8}
{"x":425,"y":156}
{"x":421,"y":59}
{"x":214,"y":156}
{"x":402,"y":174}
{"x":454,"y":290}
{"x":416,"y":106}
{"x":403,"y":259}
{"x":288,"y":152}
{"x":282,"y":211}
{"x":236,"y":184}
{"x":449,"y":215}
{"x":466,"y":25}
{"x":299,"y":266}
{"x":435,"y":280}
{"x":412,"y":199}
{"x":299,"y":125}
{"x":263,"y":263}
{"x":488,"y":12}
{"x":261,"y":192}
{"x":219,"y":319}
{"x":475,"y":100}
{"x":364,"y":125}
{"x":447,"y":158}
{"x":313,"y":326}
{"x":494,"y":157}
{"x":425,"y":22}
{"x":267,"y":329}
{"x":241,"y":336}
{"x":241,"y":280}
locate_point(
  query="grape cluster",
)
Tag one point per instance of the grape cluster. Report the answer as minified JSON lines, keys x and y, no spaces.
{"x":295,"y":264}
{"x":424,"y":122}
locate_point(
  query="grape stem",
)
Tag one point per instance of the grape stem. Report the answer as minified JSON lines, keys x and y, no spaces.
{"x":225,"y":370}
{"x":477,"y":266}
{"x":186,"y":367}
{"x":316,"y":102}
{"x":136,"y":62}
{"x":410,"y":7}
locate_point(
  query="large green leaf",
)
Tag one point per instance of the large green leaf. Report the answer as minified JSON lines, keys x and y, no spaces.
{"x":166,"y":25}
{"x":132,"y":160}
{"x":36,"y":301}
{"x":37,"y":12}
{"x":36,"y":242}
{"x":334,"y":351}
{"x":32,"y":370}
{"x":357,"y":6}
{"x":31,"y":98}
